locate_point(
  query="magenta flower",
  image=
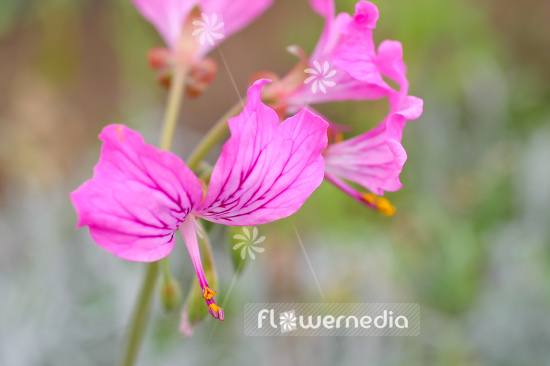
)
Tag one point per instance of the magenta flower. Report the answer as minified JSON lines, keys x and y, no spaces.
{"x":350,"y":67}
{"x":171,"y":17}
{"x":323,"y":70}
{"x":139,"y":196}
{"x":191,"y":29}
{"x":374,"y":159}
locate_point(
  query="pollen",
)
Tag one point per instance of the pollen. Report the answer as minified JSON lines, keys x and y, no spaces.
{"x":216,"y":312}
{"x":385,"y":207}
{"x":382,"y":204}
{"x":207,"y":294}
{"x":369,"y":198}
{"x":215,"y":308}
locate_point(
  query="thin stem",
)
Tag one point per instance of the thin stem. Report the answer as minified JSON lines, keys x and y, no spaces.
{"x":206,"y":251}
{"x":165,"y":266}
{"x":206,"y":175}
{"x":216,"y":133}
{"x":140,"y":315}
{"x":138,"y":323}
{"x":173,"y":108}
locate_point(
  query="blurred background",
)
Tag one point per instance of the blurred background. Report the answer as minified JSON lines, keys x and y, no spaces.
{"x":470,"y":241}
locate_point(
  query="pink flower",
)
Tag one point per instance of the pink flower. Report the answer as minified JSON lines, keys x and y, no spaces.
{"x":341,"y":35}
{"x":374,"y":159}
{"x":139,"y":196}
{"x":171,"y":17}
{"x":191,"y":29}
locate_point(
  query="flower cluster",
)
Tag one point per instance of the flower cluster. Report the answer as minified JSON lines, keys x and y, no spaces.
{"x":140,"y":196}
{"x":375,"y":158}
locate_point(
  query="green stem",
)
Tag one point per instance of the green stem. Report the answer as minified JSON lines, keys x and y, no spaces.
{"x":140,"y":315}
{"x":173,"y":108}
{"x":206,"y":252}
{"x":216,"y":133}
{"x":138,"y":323}
{"x":165,"y":266}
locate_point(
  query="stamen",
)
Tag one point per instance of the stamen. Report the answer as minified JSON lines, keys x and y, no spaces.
{"x":216,"y":312}
{"x":207,"y":293}
{"x":385,"y":207}
{"x":198,"y":229}
{"x":382,"y":204}
{"x":369,"y":198}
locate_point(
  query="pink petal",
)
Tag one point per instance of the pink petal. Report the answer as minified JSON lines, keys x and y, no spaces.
{"x":137,"y":198}
{"x":374,"y":159}
{"x":167,"y":16}
{"x":236,"y":14}
{"x":346,"y":88}
{"x":390,"y":63}
{"x":390,"y":60}
{"x":370,"y":160}
{"x":357,"y":57}
{"x":366,"y":14}
{"x":266,"y":170}
{"x":365,"y":17}
{"x":330,"y":33}
{"x":343,"y":51}
{"x":325,"y":8}
{"x":410,"y":109}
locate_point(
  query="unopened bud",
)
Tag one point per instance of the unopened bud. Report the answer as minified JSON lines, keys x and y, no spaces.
{"x":170,"y":294}
{"x":160,"y":58}
{"x":164,"y":78}
{"x":201,"y":76}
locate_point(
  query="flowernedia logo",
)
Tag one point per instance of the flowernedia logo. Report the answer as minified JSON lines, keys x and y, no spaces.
{"x":248,"y":243}
{"x":332,"y":319}
{"x":287,"y":320}
{"x":320,"y":77}
{"x":208,"y":29}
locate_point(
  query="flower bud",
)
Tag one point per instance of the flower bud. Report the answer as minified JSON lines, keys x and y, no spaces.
{"x":160,"y":58}
{"x":202,"y":73}
{"x":170,"y":294}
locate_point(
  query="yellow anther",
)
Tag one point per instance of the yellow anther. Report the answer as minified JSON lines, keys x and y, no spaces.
{"x":385,"y":207}
{"x":382,"y":204}
{"x":338,"y":137}
{"x":207,"y":293}
{"x":216,"y":312}
{"x":369,"y":198}
{"x":215,"y":308}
